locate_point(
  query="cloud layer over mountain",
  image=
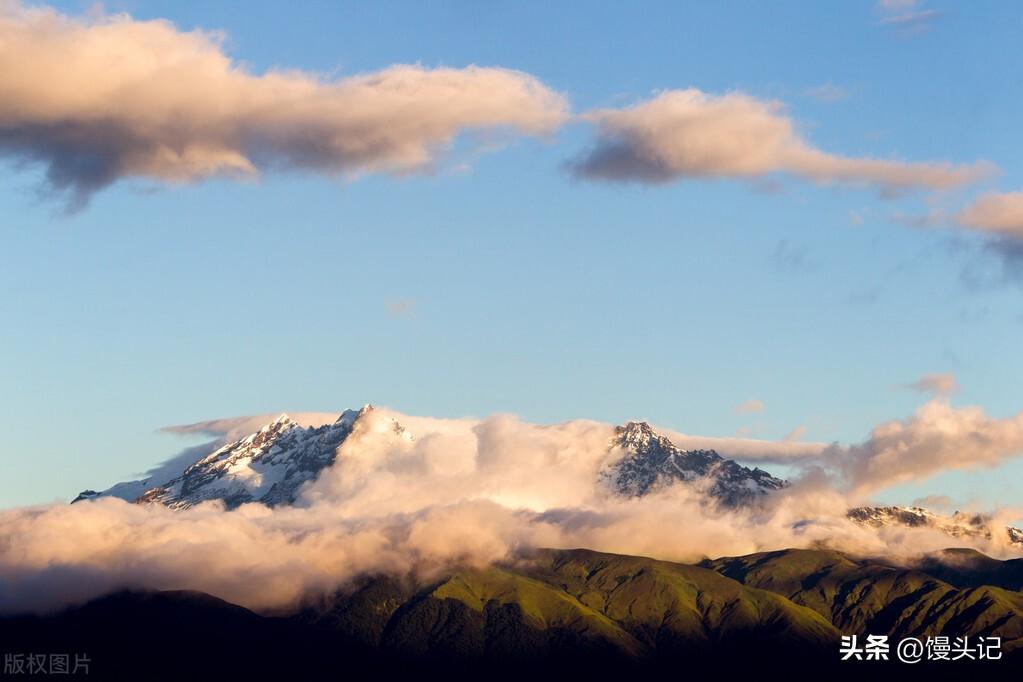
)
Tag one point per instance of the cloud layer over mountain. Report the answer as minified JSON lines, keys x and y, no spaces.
{"x":466,"y":491}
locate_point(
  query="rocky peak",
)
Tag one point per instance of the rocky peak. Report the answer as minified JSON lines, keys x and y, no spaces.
{"x":651,"y":460}
{"x":269,"y":466}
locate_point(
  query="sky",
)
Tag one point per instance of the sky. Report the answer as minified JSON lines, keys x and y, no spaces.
{"x":562,"y":254}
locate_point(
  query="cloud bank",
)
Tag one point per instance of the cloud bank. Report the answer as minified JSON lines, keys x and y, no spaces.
{"x":683,"y":134}
{"x":938,"y":437}
{"x":750,"y":449}
{"x":466,"y":491}
{"x":100,"y":99}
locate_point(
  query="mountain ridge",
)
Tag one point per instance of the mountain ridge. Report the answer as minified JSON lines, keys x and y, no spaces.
{"x":547,"y":609}
{"x":272,"y":464}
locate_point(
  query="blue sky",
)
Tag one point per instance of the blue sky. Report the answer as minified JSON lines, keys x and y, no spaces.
{"x":518,"y":287}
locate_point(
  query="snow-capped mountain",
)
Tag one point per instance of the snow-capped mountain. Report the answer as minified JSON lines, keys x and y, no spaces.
{"x":958,"y":525}
{"x":652,"y":460}
{"x":268,"y":466}
{"x":271,"y":465}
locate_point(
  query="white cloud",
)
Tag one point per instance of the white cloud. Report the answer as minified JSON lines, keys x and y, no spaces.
{"x":898,"y":5}
{"x":233,"y":428}
{"x":691,"y":134}
{"x":829,"y":93}
{"x":795,"y":434}
{"x":937,"y":438}
{"x":103,"y":98}
{"x":935,"y":384}
{"x":750,"y":449}
{"x":998,"y":218}
{"x":401,"y":307}
{"x":464,"y":491}
{"x":908,"y":16}
{"x":934,"y":502}
{"x":998,"y":214}
{"x":749,"y":406}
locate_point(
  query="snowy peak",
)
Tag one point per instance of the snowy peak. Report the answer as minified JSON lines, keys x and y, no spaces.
{"x":350,"y":416}
{"x":958,"y":525}
{"x":268,"y":466}
{"x":265,"y":437}
{"x":640,"y":437}
{"x":652,"y":460}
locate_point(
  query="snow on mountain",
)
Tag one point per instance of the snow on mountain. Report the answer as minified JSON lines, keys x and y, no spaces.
{"x":272,"y":464}
{"x":652,"y":460}
{"x":958,"y":525}
{"x":268,"y":466}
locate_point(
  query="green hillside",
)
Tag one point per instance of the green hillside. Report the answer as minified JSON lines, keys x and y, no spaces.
{"x":863,"y":595}
{"x":557,"y":601}
{"x":579,"y":613}
{"x":575,"y":602}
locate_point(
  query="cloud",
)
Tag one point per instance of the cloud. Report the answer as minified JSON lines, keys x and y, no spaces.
{"x":898,"y":5}
{"x":402,"y":307}
{"x":749,"y":406}
{"x":1010,"y":252}
{"x":998,"y":218}
{"x":458,"y":492}
{"x":995,"y":217}
{"x":907,"y":16}
{"x":749,"y":449}
{"x":99,"y":99}
{"x":789,"y":256}
{"x":998,"y":214}
{"x":233,"y":428}
{"x":828,"y":93}
{"x":938,"y":437}
{"x":795,"y":434}
{"x":682,"y":134}
{"x":934,"y":502}
{"x":935,"y":384}
{"x":222,"y":432}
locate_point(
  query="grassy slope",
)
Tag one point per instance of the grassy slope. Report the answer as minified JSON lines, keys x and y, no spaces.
{"x":969,"y":568}
{"x":658,"y":599}
{"x":576,"y":607}
{"x":561,"y":600}
{"x":860,"y":596}
{"x":572,"y":601}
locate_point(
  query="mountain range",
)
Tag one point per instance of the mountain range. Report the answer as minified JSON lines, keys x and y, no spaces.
{"x":272,"y":464}
{"x":548,"y":613}
{"x":552,"y":613}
